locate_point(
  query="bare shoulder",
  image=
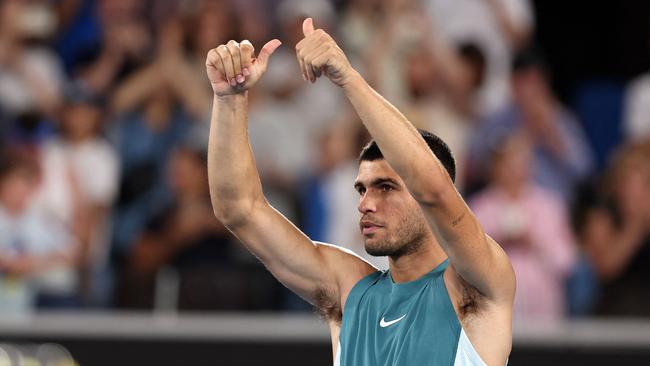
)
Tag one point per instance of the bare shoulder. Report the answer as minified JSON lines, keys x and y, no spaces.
{"x":487,"y":323}
{"x":348,"y":268}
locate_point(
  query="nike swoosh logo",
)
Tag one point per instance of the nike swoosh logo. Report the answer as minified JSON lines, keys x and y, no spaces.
{"x":384,"y":324}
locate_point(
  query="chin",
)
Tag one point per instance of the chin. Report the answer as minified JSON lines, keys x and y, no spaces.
{"x":376,"y":250}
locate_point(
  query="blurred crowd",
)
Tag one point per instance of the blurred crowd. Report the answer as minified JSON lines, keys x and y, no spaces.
{"x":104,"y":119}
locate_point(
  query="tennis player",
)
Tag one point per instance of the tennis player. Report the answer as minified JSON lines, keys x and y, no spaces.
{"x":447,"y":296}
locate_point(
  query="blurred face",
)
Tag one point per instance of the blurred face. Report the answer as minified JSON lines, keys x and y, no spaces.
{"x":392,"y":222}
{"x":511,"y":163}
{"x":16,"y":191}
{"x":80,"y":121}
{"x":421,"y":74}
{"x":186,"y":173}
{"x":529,"y":86}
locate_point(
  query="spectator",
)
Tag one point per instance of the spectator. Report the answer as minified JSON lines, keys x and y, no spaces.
{"x":500,"y":28}
{"x":155,"y":109}
{"x":437,"y":84}
{"x":561,"y":154}
{"x":184,"y":238}
{"x":288,"y":114}
{"x":124,"y":45}
{"x":38,"y":255}
{"x":31,"y":76}
{"x":615,"y":233}
{"x":532,"y":226}
{"x":94,"y":164}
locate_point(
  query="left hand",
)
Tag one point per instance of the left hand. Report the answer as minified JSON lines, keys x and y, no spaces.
{"x":318,"y":53}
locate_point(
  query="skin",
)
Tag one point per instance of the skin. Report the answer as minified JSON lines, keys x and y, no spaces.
{"x":409,"y":207}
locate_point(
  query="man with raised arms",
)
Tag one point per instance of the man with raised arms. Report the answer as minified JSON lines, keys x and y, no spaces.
{"x":447,"y":296}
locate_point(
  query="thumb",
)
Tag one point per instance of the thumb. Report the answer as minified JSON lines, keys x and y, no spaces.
{"x":307,"y":26}
{"x":267,"y":51}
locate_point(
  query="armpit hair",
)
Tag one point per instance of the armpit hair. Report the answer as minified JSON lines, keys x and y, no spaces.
{"x":328,"y":306}
{"x":471,"y":300}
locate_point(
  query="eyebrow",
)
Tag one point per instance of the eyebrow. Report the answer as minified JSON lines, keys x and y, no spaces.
{"x":376,"y":182}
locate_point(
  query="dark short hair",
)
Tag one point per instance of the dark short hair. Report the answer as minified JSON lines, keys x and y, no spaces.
{"x":474,"y":55}
{"x":529,"y":58}
{"x":439,"y":148}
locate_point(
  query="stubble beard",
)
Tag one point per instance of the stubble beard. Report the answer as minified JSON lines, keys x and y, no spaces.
{"x":408,"y":238}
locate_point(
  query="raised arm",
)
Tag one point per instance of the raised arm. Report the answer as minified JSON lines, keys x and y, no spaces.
{"x":475,"y":256}
{"x":310,"y":269}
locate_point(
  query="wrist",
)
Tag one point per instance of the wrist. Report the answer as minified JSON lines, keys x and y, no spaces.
{"x":354,"y":82}
{"x":229,"y":99}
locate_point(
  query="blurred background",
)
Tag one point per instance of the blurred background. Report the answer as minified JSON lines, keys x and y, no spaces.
{"x":106,"y":230}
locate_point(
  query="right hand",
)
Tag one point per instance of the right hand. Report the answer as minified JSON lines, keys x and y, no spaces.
{"x":232,"y":68}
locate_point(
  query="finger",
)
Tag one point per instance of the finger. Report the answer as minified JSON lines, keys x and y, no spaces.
{"x":307,"y":70}
{"x":307,"y":26}
{"x":312,"y":56}
{"x":267,"y":51}
{"x":233,"y":48}
{"x":226,"y":59}
{"x":319,"y":57}
{"x":300,"y":50}
{"x":322,"y":60}
{"x":300,"y":53}
{"x":214,"y":60}
{"x":303,"y":69}
{"x":247,"y":51}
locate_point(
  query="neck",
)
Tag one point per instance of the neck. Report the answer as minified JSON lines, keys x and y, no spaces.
{"x":412,"y":266}
{"x":76,"y":139}
{"x":514,"y":191}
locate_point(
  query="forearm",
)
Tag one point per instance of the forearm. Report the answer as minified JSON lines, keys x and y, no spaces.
{"x":99,"y":76}
{"x":188,"y":87}
{"x":612,"y":260}
{"x":234,"y":181}
{"x":136,"y":89}
{"x":400,"y":142}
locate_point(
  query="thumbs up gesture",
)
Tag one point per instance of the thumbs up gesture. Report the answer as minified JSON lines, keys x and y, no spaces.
{"x":232,"y":68}
{"x":319,"y":54}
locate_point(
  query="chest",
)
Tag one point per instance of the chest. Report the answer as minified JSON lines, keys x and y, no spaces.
{"x":399,"y":326}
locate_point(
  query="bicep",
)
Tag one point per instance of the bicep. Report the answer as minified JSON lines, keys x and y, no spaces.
{"x":304,"y":266}
{"x":477,"y":257}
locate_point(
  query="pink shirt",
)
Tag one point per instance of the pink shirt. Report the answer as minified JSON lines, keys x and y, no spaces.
{"x":534,"y":231}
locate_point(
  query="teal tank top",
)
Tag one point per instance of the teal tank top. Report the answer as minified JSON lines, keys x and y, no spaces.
{"x":403,"y":324}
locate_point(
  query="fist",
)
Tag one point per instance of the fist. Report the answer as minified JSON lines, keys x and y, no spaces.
{"x":319,"y":54}
{"x":232,"y":68}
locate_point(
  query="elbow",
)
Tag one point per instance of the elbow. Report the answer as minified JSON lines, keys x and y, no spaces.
{"x":230,"y":215}
{"x":233,"y":214}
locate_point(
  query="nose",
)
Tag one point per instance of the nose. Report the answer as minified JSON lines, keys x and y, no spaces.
{"x":367,"y":203}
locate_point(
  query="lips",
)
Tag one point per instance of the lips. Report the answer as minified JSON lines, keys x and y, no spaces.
{"x":369,"y":227}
